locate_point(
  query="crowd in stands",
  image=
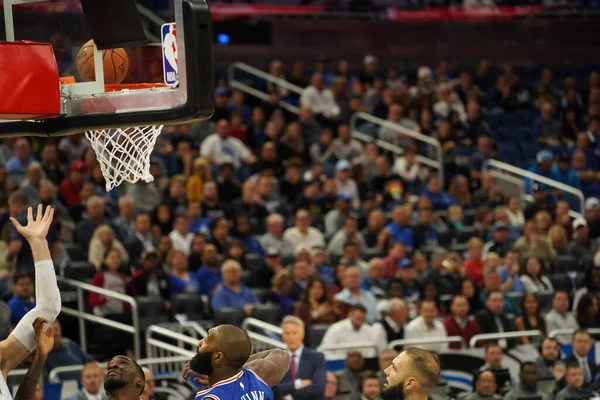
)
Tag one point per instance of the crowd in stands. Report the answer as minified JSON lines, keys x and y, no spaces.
{"x":274,"y":214}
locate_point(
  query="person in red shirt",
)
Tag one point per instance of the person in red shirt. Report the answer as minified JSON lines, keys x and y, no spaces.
{"x":458,"y":322}
{"x":473,"y":266}
{"x":70,"y":187}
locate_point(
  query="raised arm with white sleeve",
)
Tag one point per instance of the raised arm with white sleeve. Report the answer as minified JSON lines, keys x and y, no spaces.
{"x":22,"y":339}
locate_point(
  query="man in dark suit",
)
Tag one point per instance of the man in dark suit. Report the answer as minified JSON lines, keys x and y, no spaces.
{"x":582,"y":344}
{"x":492,"y":320}
{"x":307,"y":376}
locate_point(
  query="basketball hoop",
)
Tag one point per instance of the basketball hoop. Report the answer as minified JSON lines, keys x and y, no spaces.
{"x":124,"y":152}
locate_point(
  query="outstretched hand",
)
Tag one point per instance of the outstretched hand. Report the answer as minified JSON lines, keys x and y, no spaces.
{"x":196,"y":377}
{"x":36,"y":229}
{"x":44,"y":339}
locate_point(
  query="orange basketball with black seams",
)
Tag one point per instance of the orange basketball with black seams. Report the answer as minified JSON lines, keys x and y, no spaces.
{"x":115,"y":64}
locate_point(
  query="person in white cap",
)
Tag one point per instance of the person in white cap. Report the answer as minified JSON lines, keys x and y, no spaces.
{"x":582,"y":247}
{"x":592,"y":216}
{"x":344,"y":184}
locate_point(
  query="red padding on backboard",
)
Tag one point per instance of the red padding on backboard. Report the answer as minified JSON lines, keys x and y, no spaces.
{"x":29,"y":81}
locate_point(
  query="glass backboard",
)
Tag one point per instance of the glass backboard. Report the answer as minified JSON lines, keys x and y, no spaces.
{"x":88,"y":105}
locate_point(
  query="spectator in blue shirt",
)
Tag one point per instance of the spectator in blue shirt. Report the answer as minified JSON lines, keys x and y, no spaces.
{"x":242,"y":231}
{"x":22,"y":301}
{"x":233,"y":293}
{"x":181,"y":280}
{"x":400,"y":229}
{"x":66,"y":353}
{"x":209,"y":274}
{"x":562,"y":171}
{"x":544,"y":161}
{"x":18,"y":163}
{"x":440,"y":199}
{"x":353,"y":294}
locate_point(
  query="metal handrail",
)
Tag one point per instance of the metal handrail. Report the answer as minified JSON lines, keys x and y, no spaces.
{"x":17,"y":372}
{"x":263,"y":75}
{"x":53,"y":376}
{"x":55,"y":372}
{"x":83,"y":316}
{"x":343,"y":346}
{"x":196,"y":327}
{"x":438,"y":164}
{"x":261,"y":324}
{"x":568,"y":331}
{"x":430,"y":340}
{"x":504,"y":335}
{"x":538,"y":178}
{"x":267,"y":340}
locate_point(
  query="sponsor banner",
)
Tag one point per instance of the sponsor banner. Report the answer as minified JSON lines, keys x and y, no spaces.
{"x":461,"y":14}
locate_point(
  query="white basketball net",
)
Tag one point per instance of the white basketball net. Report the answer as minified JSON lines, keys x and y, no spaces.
{"x":124,"y":153}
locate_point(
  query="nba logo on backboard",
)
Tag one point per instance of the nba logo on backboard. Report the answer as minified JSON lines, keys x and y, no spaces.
{"x":169,"y":49}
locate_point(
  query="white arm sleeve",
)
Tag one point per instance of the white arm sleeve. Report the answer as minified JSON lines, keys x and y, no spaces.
{"x":47,"y":303}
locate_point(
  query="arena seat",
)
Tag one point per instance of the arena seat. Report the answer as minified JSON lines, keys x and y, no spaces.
{"x":229,"y":315}
{"x":255,"y":262}
{"x":545,"y":299}
{"x":564,"y":264}
{"x":373,"y":252}
{"x":247,"y":278}
{"x":190,"y":304}
{"x":463,"y":235}
{"x":261,"y":293}
{"x":270,"y":313}
{"x":315,"y":335}
{"x":80,"y":271}
{"x":151,"y":311}
{"x":561,"y":282}
{"x":75,"y":251}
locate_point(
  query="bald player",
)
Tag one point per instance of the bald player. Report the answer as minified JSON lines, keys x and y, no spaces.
{"x":413,"y":375}
{"x":224,"y":358}
{"x":124,"y":379}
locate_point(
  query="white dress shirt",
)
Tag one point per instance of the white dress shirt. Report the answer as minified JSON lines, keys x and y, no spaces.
{"x":321,"y":102}
{"x":417,"y":328}
{"x":380,"y":335}
{"x":225,"y":150}
{"x":344,"y":333}
{"x":555,"y":320}
{"x":90,"y":396}
{"x":313,"y":237}
{"x":180,"y":242}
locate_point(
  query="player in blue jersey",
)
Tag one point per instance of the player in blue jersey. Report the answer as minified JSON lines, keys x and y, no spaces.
{"x":232,"y":374}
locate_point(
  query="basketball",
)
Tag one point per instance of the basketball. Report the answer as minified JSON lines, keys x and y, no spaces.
{"x":115,"y":62}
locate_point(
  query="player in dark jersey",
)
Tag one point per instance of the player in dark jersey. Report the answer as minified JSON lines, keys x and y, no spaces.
{"x":124,"y":379}
{"x":224,"y":358}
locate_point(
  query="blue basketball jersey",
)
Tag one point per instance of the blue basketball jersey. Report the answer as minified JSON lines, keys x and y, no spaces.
{"x":245,"y":385}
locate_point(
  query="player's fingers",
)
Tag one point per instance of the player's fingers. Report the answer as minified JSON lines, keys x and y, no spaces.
{"x":50,"y":331}
{"x":40,"y":212}
{"x":47,"y":213}
{"x":16,"y":223}
{"x":51,"y":217}
{"x":29,"y":215}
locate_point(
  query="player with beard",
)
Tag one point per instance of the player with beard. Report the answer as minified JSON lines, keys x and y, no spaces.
{"x":413,"y":375}
{"x":124,"y":379}
{"x":224,"y":364}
